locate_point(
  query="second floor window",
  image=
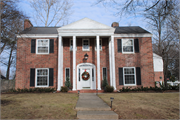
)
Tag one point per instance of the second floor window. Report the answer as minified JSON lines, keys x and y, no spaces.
{"x":85,"y":45}
{"x":128,"y":46}
{"x":43,"y":46}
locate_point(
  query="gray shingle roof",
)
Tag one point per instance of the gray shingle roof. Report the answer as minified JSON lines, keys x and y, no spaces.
{"x":130,"y":29}
{"x":53,"y":30}
{"x":40,"y":30}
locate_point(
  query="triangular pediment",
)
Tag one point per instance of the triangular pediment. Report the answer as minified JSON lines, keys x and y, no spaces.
{"x":86,"y":23}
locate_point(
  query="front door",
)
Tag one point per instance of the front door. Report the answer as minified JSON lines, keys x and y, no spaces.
{"x":86,"y":78}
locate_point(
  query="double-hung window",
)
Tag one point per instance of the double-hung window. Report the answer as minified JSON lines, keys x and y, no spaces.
{"x":42,"y":46}
{"x":71,"y":45}
{"x":104,"y":73}
{"x":100,"y":44}
{"x":127,"y":45}
{"x":67,"y":73}
{"x":85,"y":45}
{"x":129,"y":76}
{"x":42,"y":77}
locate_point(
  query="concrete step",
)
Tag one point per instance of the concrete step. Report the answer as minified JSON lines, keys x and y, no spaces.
{"x":97,"y":115}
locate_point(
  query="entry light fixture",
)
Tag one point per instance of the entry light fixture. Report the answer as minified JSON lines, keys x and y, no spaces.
{"x":86,"y":56}
{"x":111,"y":98}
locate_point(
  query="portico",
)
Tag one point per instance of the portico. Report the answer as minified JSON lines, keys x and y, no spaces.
{"x":86,"y":28}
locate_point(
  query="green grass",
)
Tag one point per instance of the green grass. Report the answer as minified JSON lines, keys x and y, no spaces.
{"x":144,"y":105}
{"x":38,"y":106}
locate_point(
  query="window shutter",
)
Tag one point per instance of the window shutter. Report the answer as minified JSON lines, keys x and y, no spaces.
{"x":136,"y":45}
{"x":51,"y":80}
{"x":51,"y":46}
{"x":119,"y":45}
{"x":138,"y":75}
{"x":33,"y":45}
{"x":32,"y":77}
{"x":120,"y":76}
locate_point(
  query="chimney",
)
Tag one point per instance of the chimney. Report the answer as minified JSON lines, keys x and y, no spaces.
{"x":27,"y":24}
{"x":115,"y":24}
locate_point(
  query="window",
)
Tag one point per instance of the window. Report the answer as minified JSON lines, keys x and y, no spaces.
{"x":104,"y":73}
{"x":85,"y":44}
{"x":71,"y":45}
{"x":129,"y":76}
{"x":100,"y":45}
{"x":42,"y":46}
{"x":42,"y":75}
{"x":67,"y":72}
{"x":128,"y":46}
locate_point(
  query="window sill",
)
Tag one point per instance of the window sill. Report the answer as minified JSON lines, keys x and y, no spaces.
{"x":85,"y":50}
{"x":130,"y":85}
{"x":127,"y":53}
{"x":42,"y":53}
{"x":41,"y":86}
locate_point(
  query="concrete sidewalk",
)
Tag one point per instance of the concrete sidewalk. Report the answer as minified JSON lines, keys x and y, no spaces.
{"x":90,"y":106}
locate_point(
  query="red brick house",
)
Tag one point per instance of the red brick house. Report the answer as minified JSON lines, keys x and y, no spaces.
{"x":47,"y":55}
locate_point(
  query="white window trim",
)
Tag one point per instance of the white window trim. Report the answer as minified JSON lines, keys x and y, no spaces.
{"x":100,"y":40}
{"x":37,"y":46}
{"x":65,"y":73}
{"x":134,"y":77}
{"x":102,"y":72}
{"x":88,"y":44}
{"x":70,"y":45}
{"x":133,"y":46}
{"x":47,"y":78}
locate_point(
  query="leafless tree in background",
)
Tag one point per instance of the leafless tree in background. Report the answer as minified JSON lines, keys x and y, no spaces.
{"x":51,"y":12}
{"x":163,"y":16}
{"x":11,"y":24}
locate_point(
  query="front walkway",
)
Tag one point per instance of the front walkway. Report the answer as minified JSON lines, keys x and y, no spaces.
{"x":90,"y":106}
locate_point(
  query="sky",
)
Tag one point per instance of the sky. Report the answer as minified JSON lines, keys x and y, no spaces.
{"x":88,"y":8}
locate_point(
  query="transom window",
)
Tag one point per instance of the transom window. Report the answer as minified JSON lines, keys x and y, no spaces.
{"x":85,"y":45}
{"x":43,"y":46}
{"x":100,"y":45}
{"x":42,"y":75}
{"x":128,"y":46}
{"x":129,"y":76}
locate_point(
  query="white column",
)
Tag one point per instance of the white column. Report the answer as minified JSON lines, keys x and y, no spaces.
{"x":98,"y":63}
{"x":110,"y":63}
{"x":60,"y":75}
{"x":113,"y":63}
{"x":74,"y":63}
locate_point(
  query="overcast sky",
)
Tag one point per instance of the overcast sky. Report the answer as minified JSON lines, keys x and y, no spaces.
{"x":87,"y":8}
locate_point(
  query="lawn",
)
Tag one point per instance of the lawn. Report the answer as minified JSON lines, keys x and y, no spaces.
{"x":38,"y":106}
{"x":144,"y":105}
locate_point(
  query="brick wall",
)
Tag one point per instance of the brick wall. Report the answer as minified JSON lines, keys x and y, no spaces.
{"x":143,"y":59}
{"x":26,"y":60}
{"x":157,"y":76}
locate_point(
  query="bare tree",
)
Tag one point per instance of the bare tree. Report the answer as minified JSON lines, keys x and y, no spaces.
{"x":51,"y":12}
{"x":11,"y":24}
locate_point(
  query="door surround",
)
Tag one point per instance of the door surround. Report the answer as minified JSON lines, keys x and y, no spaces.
{"x":79,"y":83}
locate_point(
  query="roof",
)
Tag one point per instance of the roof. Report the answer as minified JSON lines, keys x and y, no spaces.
{"x":40,"y":30}
{"x":130,"y":30}
{"x":53,"y":30}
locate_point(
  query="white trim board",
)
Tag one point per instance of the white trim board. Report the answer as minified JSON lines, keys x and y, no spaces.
{"x":37,"y":35}
{"x":133,"y":35}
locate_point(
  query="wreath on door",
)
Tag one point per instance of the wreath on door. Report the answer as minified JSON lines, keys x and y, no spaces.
{"x":85,"y":75}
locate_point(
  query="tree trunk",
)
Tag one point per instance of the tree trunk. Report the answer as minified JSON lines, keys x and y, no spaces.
{"x":2,"y":48}
{"x":9,"y":64}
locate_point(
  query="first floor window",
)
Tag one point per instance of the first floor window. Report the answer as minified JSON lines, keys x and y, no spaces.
{"x":104,"y":73}
{"x":67,"y":73}
{"x":43,"y":46}
{"x":42,"y":77}
{"x":85,"y":44}
{"x":128,"y":46}
{"x":129,"y":76}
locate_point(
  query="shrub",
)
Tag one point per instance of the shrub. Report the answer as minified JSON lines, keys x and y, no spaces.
{"x":109,"y":88}
{"x":104,"y":83}
{"x":67,"y":83}
{"x":64,"y":89}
